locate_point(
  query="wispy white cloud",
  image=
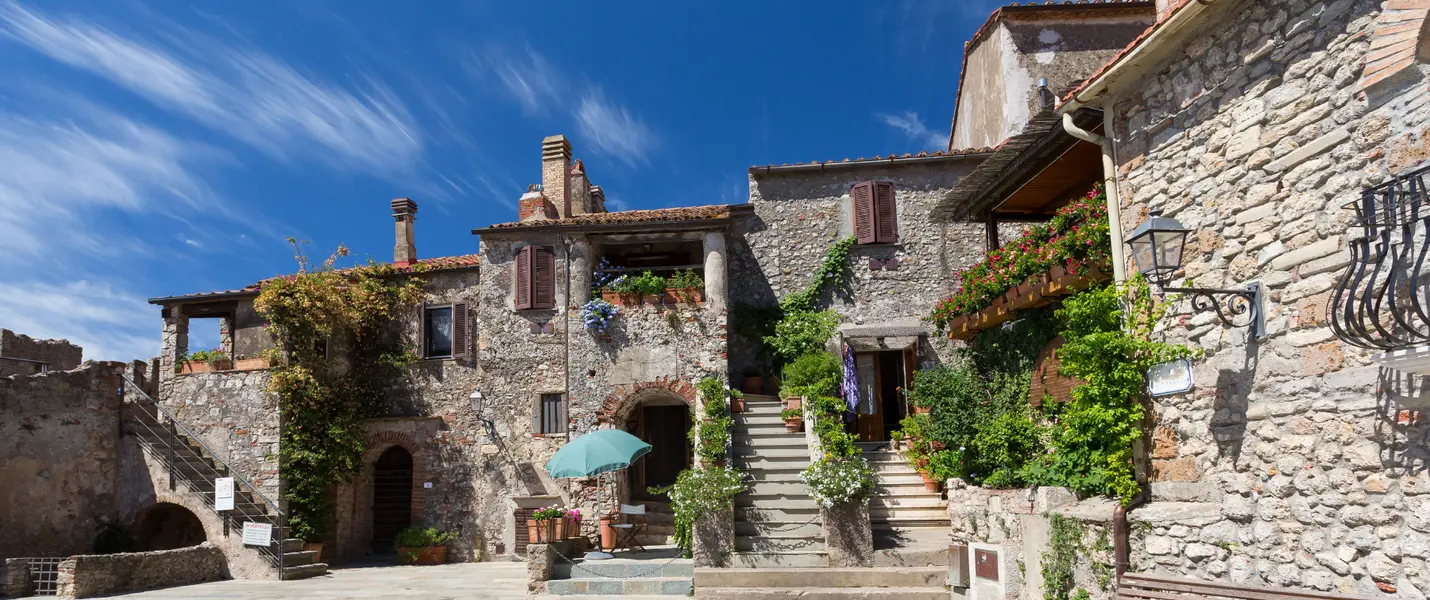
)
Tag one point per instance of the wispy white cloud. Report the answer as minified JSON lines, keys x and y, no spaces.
{"x":612,"y":129}
{"x":528,"y":78}
{"x":109,"y":323}
{"x":615,"y":203}
{"x":240,"y":91}
{"x":915,"y":131}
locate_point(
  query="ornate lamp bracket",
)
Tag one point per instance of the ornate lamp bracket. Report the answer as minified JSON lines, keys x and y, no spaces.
{"x":1235,"y":308}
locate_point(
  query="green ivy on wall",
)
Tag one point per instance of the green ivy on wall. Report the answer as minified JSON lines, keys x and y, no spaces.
{"x":322,"y":440}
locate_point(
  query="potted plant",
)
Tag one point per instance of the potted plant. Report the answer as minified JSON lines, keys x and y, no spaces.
{"x":896,"y":438}
{"x":598,"y":314}
{"x":573,"y":523}
{"x":252,"y":363}
{"x":737,"y":401}
{"x":204,"y":361}
{"x":622,"y":290}
{"x":421,"y":546}
{"x":794,"y":419}
{"x":930,"y":484}
{"x":684,"y":286}
{"x":541,"y":527}
{"x":651,"y":287}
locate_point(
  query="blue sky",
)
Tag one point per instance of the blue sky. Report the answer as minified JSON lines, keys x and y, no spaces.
{"x":152,"y":149}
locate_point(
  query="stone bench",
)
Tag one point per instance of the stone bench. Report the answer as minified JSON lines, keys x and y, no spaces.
{"x":1146,"y":586}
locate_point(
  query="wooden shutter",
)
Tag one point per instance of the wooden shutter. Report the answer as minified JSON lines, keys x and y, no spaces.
{"x":522,"y":279}
{"x":886,"y":222}
{"x":523,"y":537}
{"x":543,"y":278}
{"x":862,"y":197}
{"x":461,"y":332}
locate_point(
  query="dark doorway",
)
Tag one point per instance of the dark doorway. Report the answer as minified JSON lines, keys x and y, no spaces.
{"x":166,"y":526}
{"x":391,"y":497}
{"x":665,"y":428}
{"x":881,"y":404}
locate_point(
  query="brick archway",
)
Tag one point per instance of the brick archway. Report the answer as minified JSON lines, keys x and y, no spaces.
{"x":619,"y":404}
{"x":1400,"y":38}
{"x":353,"y":529}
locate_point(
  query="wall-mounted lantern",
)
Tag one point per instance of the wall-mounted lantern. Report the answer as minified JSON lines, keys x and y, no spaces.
{"x":1157,"y":246}
{"x":478,"y":405}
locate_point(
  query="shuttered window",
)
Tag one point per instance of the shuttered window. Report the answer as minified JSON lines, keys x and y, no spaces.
{"x":446,"y":331}
{"x":535,"y":278}
{"x":553,"y":413}
{"x":876,"y":219}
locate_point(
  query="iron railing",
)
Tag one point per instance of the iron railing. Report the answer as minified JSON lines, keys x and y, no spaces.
{"x":45,"y":575}
{"x":1380,"y":300}
{"x":186,"y":456}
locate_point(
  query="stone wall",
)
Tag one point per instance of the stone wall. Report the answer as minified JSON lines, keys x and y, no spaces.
{"x":1296,"y":461}
{"x":59,"y":459}
{"x":54,"y":355}
{"x":234,"y":414}
{"x":89,"y":576}
{"x":799,"y":214}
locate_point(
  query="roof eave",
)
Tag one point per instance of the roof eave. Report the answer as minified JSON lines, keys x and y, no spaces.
{"x":885,"y":162}
{"x":197,"y":299}
{"x":1147,"y":51}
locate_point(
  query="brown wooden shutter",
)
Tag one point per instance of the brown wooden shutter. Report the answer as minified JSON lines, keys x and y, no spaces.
{"x":543,"y":278}
{"x":862,"y":196}
{"x":461,"y":332}
{"x":422,"y":331}
{"x":523,"y":537}
{"x":522,"y":279}
{"x":886,"y":221}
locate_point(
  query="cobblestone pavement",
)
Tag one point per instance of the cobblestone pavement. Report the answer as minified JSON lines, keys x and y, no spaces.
{"x":489,"y":580}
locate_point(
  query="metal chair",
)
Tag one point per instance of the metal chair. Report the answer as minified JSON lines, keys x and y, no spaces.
{"x":633,"y":525}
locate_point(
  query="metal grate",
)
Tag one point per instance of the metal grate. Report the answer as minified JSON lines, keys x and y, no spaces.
{"x":553,"y":413}
{"x":45,"y":574}
{"x":1380,"y":301}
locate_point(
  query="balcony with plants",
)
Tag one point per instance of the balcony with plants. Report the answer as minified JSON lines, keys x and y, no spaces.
{"x":1069,"y":253}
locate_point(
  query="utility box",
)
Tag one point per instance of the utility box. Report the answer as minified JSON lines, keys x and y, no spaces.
{"x":958,"y":575}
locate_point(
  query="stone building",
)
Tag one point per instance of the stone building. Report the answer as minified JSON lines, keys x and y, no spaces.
{"x":1289,"y":137}
{"x":22,"y":355}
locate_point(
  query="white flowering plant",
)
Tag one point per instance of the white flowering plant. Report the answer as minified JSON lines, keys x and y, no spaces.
{"x":598,"y":314}
{"x":699,"y":492}
{"x":839,"y":481}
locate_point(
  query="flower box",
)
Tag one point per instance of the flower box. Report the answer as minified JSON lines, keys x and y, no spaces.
{"x":683,"y":296}
{"x":199,"y":366}
{"x":252,"y":364}
{"x":430,"y":555}
{"x":541,"y":532}
{"x":620,"y":299}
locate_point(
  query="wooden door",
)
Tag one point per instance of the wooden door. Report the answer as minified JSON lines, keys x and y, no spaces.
{"x":869,"y":410}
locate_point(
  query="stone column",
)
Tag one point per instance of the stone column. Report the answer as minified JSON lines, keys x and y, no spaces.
{"x":716,"y":289}
{"x":581,"y":264}
{"x":176,"y":340}
{"x":713,"y":538}
{"x":848,"y":536}
{"x":225,"y":335}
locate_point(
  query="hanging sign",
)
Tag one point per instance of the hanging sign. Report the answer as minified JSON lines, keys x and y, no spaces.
{"x":257,"y":534}
{"x":223,"y":493}
{"x":1170,"y":378}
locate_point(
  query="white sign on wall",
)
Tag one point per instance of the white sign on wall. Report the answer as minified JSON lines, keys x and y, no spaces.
{"x":223,"y":493}
{"x":257,"y":534}
{"x":1170,"y":378}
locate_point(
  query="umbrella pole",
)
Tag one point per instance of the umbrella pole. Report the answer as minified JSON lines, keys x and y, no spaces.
{"x":600,"y":553}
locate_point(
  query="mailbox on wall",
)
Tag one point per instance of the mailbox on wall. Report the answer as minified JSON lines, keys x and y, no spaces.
{"x":985,"y":564}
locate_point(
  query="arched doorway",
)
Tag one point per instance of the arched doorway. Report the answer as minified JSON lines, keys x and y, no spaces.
{"x":391,"y":497}
{"x":663,"y":421}
{"x":166,"y":526}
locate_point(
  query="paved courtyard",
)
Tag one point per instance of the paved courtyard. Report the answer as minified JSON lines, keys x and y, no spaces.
{"x":490,"y":580}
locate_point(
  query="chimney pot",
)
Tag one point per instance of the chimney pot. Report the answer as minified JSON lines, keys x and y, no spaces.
{"x":404,"y":212}
{"x":556,"y":172}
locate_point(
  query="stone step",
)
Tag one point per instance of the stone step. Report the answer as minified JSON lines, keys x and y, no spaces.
{"x":896,"y":478}
{"x":779,"y":593}
{"x":893,"y":468}
{"x":885,"y":456}
{"x":788,"y":452}
{"x":907,"y":502}
{"x":779,"y":543}
{"x":778,"y":528}
{"x":913,"y":488}
{"x":909,"y":522}
{"x":293,"y":545}
{"x":913,"y":557}
{"x":780,"y":440}
{"x":784,"y":515}
{"x":772,"y":462}
{"x":588,"y":569}
{"x":885,"y":514}
{"x":762,"y":408}
{"x":652,"y":539}
{"x":597,"y":586}
{"x":782,"y":474}
{"x":762,"y":398}
{"x":301,"y":557}
{"x":775,"y":502}
{"x":829,"y":577}
{"x":758,"y":419}
{"x":305,"y":571}
{"x":791,"y":487}
{"x":762,"y":560}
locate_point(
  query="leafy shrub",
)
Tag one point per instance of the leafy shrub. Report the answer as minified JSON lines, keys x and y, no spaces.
{"x":419,"y":537}
{"x":837,"y":481}
{"x":803,"y":332}
{"x":686,"y":279}
{"x":645,"y":283}
{"x":812,"y":375}
{"x":697,"y":493}
{"x":713,"y":430}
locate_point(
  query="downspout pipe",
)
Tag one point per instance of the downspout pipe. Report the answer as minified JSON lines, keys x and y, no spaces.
{"x":1114,"y":206}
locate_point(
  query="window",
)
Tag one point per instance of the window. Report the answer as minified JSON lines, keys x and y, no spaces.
{"x":535,"y":279}
{"x":444,"y":331}
{"x":552,"y":414}
{"x":875,"y":216}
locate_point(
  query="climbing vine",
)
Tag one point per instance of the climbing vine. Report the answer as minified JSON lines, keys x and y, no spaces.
{"x":317,"y":309}
{"x":711,"y":486}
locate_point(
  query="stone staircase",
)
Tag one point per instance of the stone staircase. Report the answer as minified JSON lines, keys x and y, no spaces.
{"x":660,"y":523}
{"x":656,"y":573}
{"x":776,"y":522}
{"x":911,"y":525}
{"x":193,"y":466}
{"x":902,"y":583}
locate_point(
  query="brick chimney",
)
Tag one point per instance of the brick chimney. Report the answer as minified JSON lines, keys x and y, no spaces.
{"x":556,"y":172}
{"x":404,"y":254}
{"x":534,"y":206}
{"x":598,"y":199}
{"x":580,"y":189}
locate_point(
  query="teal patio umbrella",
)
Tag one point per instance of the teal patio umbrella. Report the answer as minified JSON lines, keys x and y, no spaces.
{"x":600,"y":451}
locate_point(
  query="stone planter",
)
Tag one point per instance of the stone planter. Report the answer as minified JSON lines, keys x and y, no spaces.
{"x":713,"y":540}
{"x":429,"y":555}
{"x":848,"y":537}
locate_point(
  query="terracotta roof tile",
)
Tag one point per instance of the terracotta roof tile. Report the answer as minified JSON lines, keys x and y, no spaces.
{"x":879,"y":158}
{"x":659,"y":215}
{"x":438,"y":263}
{"x":1171,"y":10}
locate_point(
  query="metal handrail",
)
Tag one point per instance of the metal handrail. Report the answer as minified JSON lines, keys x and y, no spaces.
{"x":277,"y":516}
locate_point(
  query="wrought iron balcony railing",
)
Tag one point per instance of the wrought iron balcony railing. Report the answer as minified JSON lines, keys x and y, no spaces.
{"x":1381,"y":302}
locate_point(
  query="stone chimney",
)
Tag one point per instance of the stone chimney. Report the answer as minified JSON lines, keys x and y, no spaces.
{"x":598,"y":199}
{"x":580,"y":189}
{"x":534,"y":206}
{"x":556,"y":172}
{"x":404,"y":254}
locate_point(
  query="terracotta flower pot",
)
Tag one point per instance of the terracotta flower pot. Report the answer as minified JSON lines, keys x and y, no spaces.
{"x":753,"y":385}
{"x":608,"y":533}
{"x":533,"y":532}
{"x":922,"y":410}
{"x":252,"y":364}
{"x":429,"y":555}
{"x":930,"y":484}
{"x":314,"y":547}
{"x":794,"y":402}
{"x":794,"y":424}
{"x":685,"y":295}
{"x":737,"y":404}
